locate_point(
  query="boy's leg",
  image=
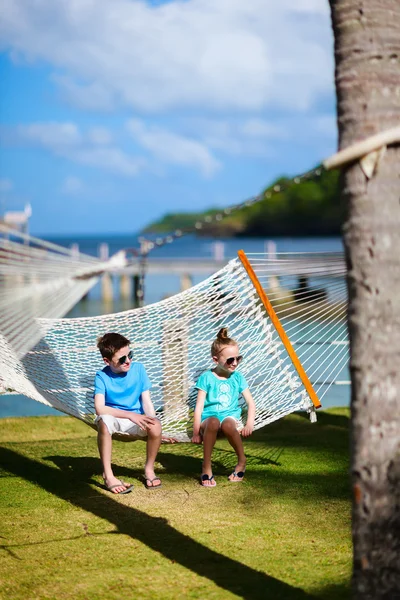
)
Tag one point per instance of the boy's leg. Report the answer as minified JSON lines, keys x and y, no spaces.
{"x":152,"y":447}
{"x":228,"y":427}
{"x":209,"y":431}
{"x":104,"y":443}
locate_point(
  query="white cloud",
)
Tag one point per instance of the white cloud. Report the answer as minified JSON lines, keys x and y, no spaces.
{"x":172,"y":148}
{"x":208,"y":54}
{"x":50,"y":135}
{"x":6,"y":185}
{"x":261,"y":128}
{"x":66,"y":140}
{"x":71,"y":186}
{"x":112,"y":159}
{"x":92,"y":96}
{"x":100,"y":136}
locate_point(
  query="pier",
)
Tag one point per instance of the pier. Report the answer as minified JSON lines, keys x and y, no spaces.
{"x":131,"y":277}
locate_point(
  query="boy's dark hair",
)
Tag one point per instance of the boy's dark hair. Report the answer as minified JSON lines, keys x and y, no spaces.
{"x":110,"y":343}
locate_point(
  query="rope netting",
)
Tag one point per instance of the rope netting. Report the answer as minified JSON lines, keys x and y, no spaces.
{"x":40,"y":279}
{"x":172,"y":338}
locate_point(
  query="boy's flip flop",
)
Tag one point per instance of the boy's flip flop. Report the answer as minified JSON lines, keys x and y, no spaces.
{"x":149,"y":483}
{"x":238,"y":474}
{"x":206,"y":477}
{"x":128,"y":487}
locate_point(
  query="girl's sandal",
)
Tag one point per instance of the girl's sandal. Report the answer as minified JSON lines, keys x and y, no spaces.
{"x":205,"y":478}
{"x":238,"y":474}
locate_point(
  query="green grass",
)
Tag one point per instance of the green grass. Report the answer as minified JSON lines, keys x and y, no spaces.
{"x":284,"y":533}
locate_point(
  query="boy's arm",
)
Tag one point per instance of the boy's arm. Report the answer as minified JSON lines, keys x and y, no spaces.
{"x":148,"y":408}
{"x":148,"y":404}
{"x":102,"y":409}
{"x":201,"y":396}
{"x":251,"y":413}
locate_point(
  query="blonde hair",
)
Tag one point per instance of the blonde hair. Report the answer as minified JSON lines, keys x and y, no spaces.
{"x":221,"y":341}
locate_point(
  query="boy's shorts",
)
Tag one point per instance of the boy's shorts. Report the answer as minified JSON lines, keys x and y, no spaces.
{"x":118,"y":425}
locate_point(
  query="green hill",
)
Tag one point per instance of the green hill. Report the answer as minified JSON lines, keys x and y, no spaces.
{"x":309,"y":208}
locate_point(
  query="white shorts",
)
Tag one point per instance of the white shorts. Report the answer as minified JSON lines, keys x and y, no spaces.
{"x":238,"y":422}
{"x":118,"y":425}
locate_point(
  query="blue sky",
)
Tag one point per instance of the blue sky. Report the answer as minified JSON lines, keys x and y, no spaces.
{"x":115,"y":112}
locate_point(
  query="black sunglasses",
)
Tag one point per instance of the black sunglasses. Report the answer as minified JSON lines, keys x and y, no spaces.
{"x":229,"y":361}
{"x":122,"y":360}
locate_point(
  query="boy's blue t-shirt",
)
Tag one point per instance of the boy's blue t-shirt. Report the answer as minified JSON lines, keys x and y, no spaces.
{"x":123,"y":390}
{"x":222,"y":395}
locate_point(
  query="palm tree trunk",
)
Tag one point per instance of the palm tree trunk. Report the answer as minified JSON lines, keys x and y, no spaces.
{"x":367,"y":53}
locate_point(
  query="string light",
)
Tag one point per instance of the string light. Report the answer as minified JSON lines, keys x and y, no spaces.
{"x":276,"y":189}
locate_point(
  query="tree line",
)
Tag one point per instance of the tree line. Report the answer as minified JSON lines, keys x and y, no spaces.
{"x":308,"y":208}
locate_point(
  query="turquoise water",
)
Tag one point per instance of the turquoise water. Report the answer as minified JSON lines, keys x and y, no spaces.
{"x":158,"y":287}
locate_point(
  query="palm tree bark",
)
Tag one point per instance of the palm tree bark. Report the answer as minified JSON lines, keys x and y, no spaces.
{"x":367,"y":54}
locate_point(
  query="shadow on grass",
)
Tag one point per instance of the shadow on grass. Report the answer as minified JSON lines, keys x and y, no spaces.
{"x":328,"y":418}
{"x":184,"y":465}
{"x":156,"y":533}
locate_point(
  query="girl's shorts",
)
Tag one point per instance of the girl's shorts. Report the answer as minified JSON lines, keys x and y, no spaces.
{"x":221,"y":417}
{"x":118,"y":425}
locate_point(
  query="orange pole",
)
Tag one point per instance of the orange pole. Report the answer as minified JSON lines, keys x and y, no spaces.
{"x":279,"y":328}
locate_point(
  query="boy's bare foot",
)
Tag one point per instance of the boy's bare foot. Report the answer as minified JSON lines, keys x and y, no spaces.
{"x":116,"y":486}
{"x":238,"y":473}
{"x":151,"y":480}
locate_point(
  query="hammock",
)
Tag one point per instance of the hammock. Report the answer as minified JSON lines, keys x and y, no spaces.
{"x":287,"y":313}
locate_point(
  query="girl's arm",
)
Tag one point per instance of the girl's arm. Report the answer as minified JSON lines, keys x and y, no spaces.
{"x":201,"y":396}
{"x":251,"y":413}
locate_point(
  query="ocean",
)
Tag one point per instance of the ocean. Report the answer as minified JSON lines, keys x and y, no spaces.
{"x":158,"y":287}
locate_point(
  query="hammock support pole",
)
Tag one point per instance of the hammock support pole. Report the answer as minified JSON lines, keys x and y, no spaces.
{"x":279,"y":328}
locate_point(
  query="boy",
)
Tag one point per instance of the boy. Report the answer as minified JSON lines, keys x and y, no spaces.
{"x":123,"y":404}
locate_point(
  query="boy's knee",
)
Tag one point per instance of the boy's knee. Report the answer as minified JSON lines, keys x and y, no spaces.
{"x":155,"y":429}
{"x":102,"y":428}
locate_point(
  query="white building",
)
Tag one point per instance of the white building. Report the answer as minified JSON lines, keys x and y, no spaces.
{"x":18,"y":219}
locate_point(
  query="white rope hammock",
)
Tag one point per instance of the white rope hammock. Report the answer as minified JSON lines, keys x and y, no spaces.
{"x":53,"y":360}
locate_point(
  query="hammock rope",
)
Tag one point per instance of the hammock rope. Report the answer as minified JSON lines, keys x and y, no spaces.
{"x":56,"y":362}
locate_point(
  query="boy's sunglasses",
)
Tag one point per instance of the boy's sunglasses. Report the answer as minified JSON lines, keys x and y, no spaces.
{"x":229,"y":361}
{"x":123,"y":359}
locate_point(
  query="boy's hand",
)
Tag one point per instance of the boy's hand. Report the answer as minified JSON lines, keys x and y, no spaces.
{"x":247,"y":430}
{"x":169,"y":440}
{"x":142,"y":420}
{"x":197,"y":439}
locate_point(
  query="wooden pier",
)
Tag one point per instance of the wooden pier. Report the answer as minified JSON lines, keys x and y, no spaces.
{"x":131,"y":276}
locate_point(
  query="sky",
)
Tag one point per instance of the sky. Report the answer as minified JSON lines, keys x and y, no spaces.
{"x":116,"y":112}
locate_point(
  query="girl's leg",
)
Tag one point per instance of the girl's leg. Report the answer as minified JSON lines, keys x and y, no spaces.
{"x":209,"y":431}
{"x":228,"y":427}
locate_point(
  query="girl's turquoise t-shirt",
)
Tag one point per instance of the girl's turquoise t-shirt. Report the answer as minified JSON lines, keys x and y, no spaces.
{"x":222,"y":395}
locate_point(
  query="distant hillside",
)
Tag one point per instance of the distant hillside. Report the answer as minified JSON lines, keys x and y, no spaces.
{"x":308,"y":208}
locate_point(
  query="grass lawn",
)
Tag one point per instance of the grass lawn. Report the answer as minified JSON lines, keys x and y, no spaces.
{"x":283,"y":533}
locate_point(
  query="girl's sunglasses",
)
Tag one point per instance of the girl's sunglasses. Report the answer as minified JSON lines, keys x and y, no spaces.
{"x":123,"y":359}
{"x":229,"y":361}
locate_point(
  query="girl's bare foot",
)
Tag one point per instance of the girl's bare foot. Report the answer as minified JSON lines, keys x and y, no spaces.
{"x":207,"y":480}
{"x":238,"y":473}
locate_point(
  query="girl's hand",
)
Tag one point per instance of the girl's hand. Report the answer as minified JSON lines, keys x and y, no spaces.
{"x":247,"y":430}
{"x":197,"y":439}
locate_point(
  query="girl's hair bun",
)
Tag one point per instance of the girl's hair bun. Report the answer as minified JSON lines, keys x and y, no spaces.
{"x":222,"y":334}
{"x":221,"y":341}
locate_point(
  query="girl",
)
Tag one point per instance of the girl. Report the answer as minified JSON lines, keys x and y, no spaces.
{"x":217,"y":407}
